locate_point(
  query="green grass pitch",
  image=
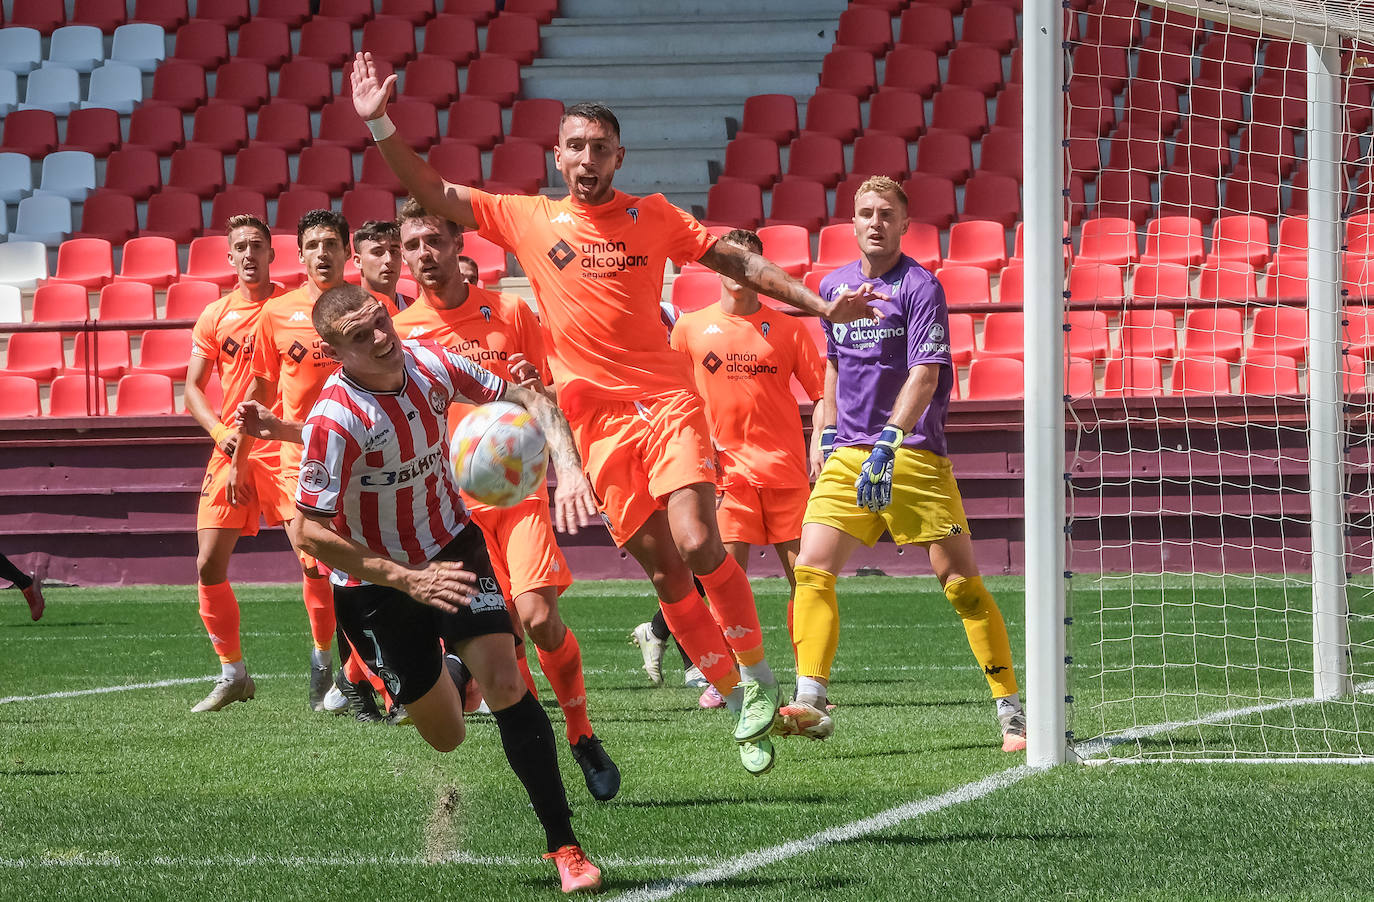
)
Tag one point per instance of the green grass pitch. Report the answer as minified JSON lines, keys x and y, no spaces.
{"x":126,"y":795}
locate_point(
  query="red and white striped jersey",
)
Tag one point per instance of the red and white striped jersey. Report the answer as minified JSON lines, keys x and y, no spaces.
{"x":377,"y":462}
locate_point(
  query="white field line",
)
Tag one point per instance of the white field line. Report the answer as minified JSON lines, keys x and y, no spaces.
{"x":130,"y":687}
{"x":99,"y":860}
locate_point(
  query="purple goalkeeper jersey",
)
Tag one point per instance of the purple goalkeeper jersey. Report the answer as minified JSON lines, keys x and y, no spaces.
{"x":874,"y":357}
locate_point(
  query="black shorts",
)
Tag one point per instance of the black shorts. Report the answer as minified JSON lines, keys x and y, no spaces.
{"x":400,"y":638}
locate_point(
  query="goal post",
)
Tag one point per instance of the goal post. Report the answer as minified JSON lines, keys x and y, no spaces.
{"x":1197,"y":414}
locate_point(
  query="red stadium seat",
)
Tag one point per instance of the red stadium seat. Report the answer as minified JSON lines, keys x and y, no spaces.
{"x":1188,"y":194}
{"x":107,"y":15}
{"x":18,"y":397}
{"x":849,"y":71}
{"x":753,"y":159}
{"x":960,"y":109}
{"x":242,"y":82}
{"x":156,"y":127}
{"x":836,"y":246}
{"x":964,"y":284}
{"x":1269,"y":374}
{"x":915,"y":70}
{"x":234,"y":202}
{"x":43,"y":16}
{"x":542,"y":11}
{"x":294,"y":203}
{"x":170,"y":14}
{"x":1124,"y":194}
{"x":992,"y":196}
{"x":995,"y":379}
{"x":480,"y":11}
{"x":199,"y":170}
{"x":1227,"y":281}
{"x":921,"y":242}
{"x":1200,"y":374}
{"x":175,"y":215}
{"x":1133,"y":377}
{"x":881,"y":155}
{"x":305,"y":81}
{"x":339,"y":124}
{"x":1227,"y":60}
{"x":327,"y":40}
{"x":818,"y":157}
{"x":898,"y":113}
{"x":1001,"y":152}
{"x":109,"y":359}
{"x":353,"y":12}
{"x":799,"y":202}
{"x":936,"y":199}
{"x":1202,"y":148}
{"x":1173,"y":239}
{"x":736,"y":204}
{"x":771,"y":116}
{"x":1096,"y":283}
{"x":1160,"y":282}
{"x":87,"y":262}
{"x":520,"y":163}
{"x":144,"y":395}
{"x":513,"y":36}
{"x":1218,"y":106}
{"x":961,"y":341}
{"x":495,"y":78}
{"x":1213,"y":332}
{"x":536,"y":119}
{"x":287,"y":268}
{"x":844,"y":198}
{"x":476,"y":121}
{"x":1268,"y":149}
{"x":366,"y":202}
{"x":991,"y":24}
{"x":1108,"y":65}
{"x":1086,"y":335}
{"x":865,"y":28}
{"x":149,"y":259}
{"x":77,"y":396}
{"x":1108,"y":240}
{"x":975,"y":66}
{"x":1149,"y":333}
{"x":377,"y":174}
{"x":1286,"y":278}
{"x":1080,"y":380}
{"x":1135,"y":147}
{"x":229,"y":13}
{"x":265,"y":41}
{"x":181,"y":84}
{"x":109,"y":216}
{"x":1258,"y":194}
{"x":834,"y":114}
{"x":325,"y":167}
{"x":36,"y":355}
{"x":1008,"y":104}
{"x":1152,"y":107}
{"x":979,"y":243}
{"x":1280,"y":330}
{"x":187,"y":298}
{"x":222,"y":127}
{"x":1004,"y":335}
{"x":202,"y":42}
{"x":459,"y":163}
{"x":1240,"y":239}
{"x":30,"y":132}
{"x":788,"y":246}
{"x":61,"y":303}
{"x":430,"y":79}
{"x":944,"y":154}
{"x":416,"y":12}
{"x":417,"y":120}
{"x":490,"y":257}
{"x":126,"y":300}
{"x":389,"y":40}
{"x":282,"y":125}
{"x":695,"y":290}
{"x":94,"y":130}
{"x":450,"y":37}
{"x":927,"y":26}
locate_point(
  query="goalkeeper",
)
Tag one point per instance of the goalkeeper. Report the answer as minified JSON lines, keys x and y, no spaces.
{"x":880,"y":433}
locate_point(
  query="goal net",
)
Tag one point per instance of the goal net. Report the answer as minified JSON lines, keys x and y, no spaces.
{"x":1218,"y":419}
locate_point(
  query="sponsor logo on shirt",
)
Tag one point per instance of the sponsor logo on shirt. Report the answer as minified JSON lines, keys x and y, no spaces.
{"x":562,"y":254}
{"x":713,"y":329}
{"x":489,"y":598}
{"x":377,"y":440}
{"x":864,"y":333}
{"x":297,"y":351}
{"x":314,"y":477}
{"x":738,"y":365}
{"x":416,"y":469}
{"x":563,"y":218}
{"x":232,"y":315}
{"x":230,"y":346}
{"x":711,"y":362}
{"x":608,"y":259}
{"x":935,"y":343}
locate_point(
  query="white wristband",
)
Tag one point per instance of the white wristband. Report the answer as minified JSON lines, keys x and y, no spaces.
{"x":382,"y":127}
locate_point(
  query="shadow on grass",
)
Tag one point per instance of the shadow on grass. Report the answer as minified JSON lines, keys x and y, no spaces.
{"x":37,"y":772}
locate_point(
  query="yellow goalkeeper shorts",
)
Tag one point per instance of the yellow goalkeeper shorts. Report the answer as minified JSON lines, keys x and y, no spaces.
{"x":926,"y":506}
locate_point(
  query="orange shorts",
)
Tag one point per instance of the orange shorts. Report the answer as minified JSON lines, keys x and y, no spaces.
{"x":637,"y":453}
{"x":266,"y":501}
{"x":761,"y":516}
{"x":521,"y":543}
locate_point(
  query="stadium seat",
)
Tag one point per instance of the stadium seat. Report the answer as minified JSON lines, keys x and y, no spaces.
{"x":1011,"y":284}
{"x":340,"y":125}
{"x":417,"y":120}
{"x":523,"y":164}
{"x":1108,"y":240}
{"x":18,"y":397}
{"x":142,"y":45}
{"x":771,"y":116}
{"x":1227,"y":281}
{"x":991,"y":196}
{"x":814,"y":277}
{"x":133,"y":171}
{"x":242,"y":82}
{"x":325,"y":167}
{"x":86,"y":262}
{"x":1214,"y":332}
{"x":144,"y":395}
{"x":187,"y":298}
{"x":542,"y":11}
{"x":326,"y":40}
{"x":69,"y":174}
{"x":936,"y":196}
{"x":262,"y":169}
{"x":21,"y":49}
{"x":1080,"y":379}
{"x":1258,"y":194}
{"x":975,"y":66}
{"x":913,"y":70}
{"x":834,"y":114}
{"x":1096,"y":283}
{"x":921,"y":242}
{"x":1201,"y":374}
{"x":180,"y":83}
{"x":1286,"y":278}
{"x":1267,"y":149}
{"x":1004,"y":334}
{"x":197,"y":169}
{"x":963,"y":284}
{"x":78,"y":47}
{"x":899,"y":113}
{"x":490,"y":257}
{"x":1086,"y":334}
{"x":109,"y":359}
{"x":844,"y":198}
{"x":1202,"y":148}
{"x":56,"y":302}
{"x":264,"y":41}
{"x":494,"y":78}
{"x":995,"y":379}
{"x":536,"y":119}
{"x":43,"y":16}
{"x":305,"y":81}
{"x":365,"y":202}
{"x":961,"y":341}
{"x":378,"y":174}
{"x":927,"y":26}
{"x":75,"y":395}
{"x":23,"y":263}
{"x":233,"y":202}
{"x":849,"y":72}
{"x":1269,"y":374}
{"x":115,"y":89}
{"x":218,"y":125}
{"x":1135,"y":147}
{"x":203,"y":42}
{"x":513,"y":36}
{"x":836,"y":246}
{"x":799,"y":202}
{"x":459,"y":163}
{"x":979,"y":243}
{"x":960,"y":109}
{"x":430,"y":79}
{"x":1133,"y":377}
{"x":1000,"y":152}
{"x":1148,"y":333}
{"x":16,"y":177}
{"x":817,"y":157}
{"x":208,"y":261}
{"x":9,"y":92}
{"x":174,"y":214}
{"x":865,"y":28}
{"x":1124,"y":194}
{"x":46,"y":218}
{"x":109,"y":216}
{"x":1227,"y":60}
{"x":169,"y":14}
{"x":35,"y":355}
{"x":880,"y":155}
{"x":1007,"y":107}
{"x":282,"y":124}
{"x":1292,"y":239}
{"x":149,"y":259}
{"x":229,"y":13}
{"x":695,"y":290}
{"x":390,"y":40}
{"x":735,"y":204}
{"x":944,"y":154}
{"x":450,"y":37}
{"x":476,"y":121}
{"x":1280,"y":330}
{"x":1173,"y":239}
{"x":788,"y":246}
{"x":416,"y":12}
{"x":32,"y":133}
{"x":156,"y":127}
{"x":1188,"y":194}
{"x":126,"y":300}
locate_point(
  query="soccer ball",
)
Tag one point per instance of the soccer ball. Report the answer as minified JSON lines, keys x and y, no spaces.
{"x":498,"y":454}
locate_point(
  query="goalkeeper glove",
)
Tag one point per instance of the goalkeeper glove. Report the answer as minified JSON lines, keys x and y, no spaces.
{"x":875,"y":482}
{"x":827,"y":442}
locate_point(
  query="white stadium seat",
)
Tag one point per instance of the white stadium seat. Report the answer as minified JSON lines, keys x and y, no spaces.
{"x":43,"y":217}
{"x":69,"y":174}
{"x":139,"y":44}
{"x":79,"y":47}
{"x":16,"y":176}
{"x":11,"y":304}
{"x":9,"y":91}
{"x":115,"y":86}
{"x":23,"y":263}
{"x":53,"y":88}
{"x":21,"y":49}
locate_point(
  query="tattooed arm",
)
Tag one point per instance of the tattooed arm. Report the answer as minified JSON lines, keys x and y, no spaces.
{"x":767,"y":278}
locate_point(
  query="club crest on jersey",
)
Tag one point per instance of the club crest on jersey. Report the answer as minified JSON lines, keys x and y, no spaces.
{"x":314,"y":476}
{"x":937,"y":332}
{"x":563,"y":218}
{"x":764,"y":328}
{"x":486,"y":312}
{"x":634,"y":213}
{"x":438,"y":400}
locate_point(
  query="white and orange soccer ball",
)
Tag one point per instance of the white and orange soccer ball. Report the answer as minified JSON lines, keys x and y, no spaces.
{"x":499,"y":454}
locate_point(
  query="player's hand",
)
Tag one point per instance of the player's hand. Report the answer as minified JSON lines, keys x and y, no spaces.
{"x":237,"y":489}
{"x":524,"y":374}
{"x":854,"y":304}
{"x":370,"y":92}
{"x":820,"y":453}
{"x":874,"y":484}
{"x":574,"y":503}
{"x":440,"y":584}
{"x":255,"y":420}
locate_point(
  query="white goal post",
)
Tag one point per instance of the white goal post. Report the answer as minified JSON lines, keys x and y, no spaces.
{"x":1253,"y":685}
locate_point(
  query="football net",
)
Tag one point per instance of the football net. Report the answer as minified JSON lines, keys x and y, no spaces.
{"x":1217,"y":350}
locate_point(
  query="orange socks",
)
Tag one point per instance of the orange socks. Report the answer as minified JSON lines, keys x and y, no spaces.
{"x":219,"y":610}
{"x":732,"y":603}
{"x":319,"y":608}
{"x":699,"y":634}
{"x":524,"y":667}
{"x":563,"y":669}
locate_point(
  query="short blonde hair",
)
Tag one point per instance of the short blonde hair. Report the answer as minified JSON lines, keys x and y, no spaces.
{"x":881,"y":184}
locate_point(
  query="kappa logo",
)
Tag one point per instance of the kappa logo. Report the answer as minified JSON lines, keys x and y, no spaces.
{"x":563,"y":218}
{"x":579,"y":702}
{"x":232,"y":315}
{"x":711,"y":362}
{"x":417,"y":332}
{"x":713,"y":329}
{"x":710,"y":659}
{"x":736,"y":632}
{"x":562,"y":254}
{"x":299,"y":317}
{"x":992,"y":670}
{"x":486,"y":312}
{"x":634,"y":213}
{"x":956,"y":529}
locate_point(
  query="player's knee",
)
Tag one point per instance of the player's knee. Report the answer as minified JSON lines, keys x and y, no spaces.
{"x":210,"y":571}
{"x":545,"y":628}
{"x":813,"y":578}
{"x":447,"y":739}
{"x":702,"y":551}
{"x":966,"y":594}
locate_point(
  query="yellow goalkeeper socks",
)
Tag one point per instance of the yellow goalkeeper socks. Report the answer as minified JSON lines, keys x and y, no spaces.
{"x":987,"y":632}
{"x":815,"y":622}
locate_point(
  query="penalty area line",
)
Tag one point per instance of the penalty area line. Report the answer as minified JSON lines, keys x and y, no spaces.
{"x":128,"y":687}
{"x":750,"y":861}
